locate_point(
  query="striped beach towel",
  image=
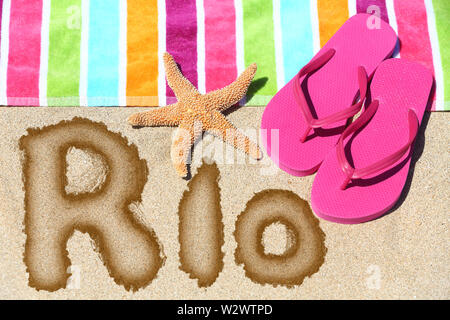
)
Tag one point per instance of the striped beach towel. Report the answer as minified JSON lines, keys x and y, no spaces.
{"x":109,"y":52}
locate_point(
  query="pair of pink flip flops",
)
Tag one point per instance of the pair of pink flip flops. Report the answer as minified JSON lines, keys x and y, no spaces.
{"x":362,"y":167}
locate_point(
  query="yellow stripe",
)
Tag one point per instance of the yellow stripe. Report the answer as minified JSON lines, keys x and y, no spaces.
{"x":142,"y":55}
{"x":332,"y":15}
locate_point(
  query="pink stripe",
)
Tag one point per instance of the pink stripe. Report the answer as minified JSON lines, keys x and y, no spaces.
{"x":415,"y":43}
{"x":220,"y":43}
{"x":24,"y":52}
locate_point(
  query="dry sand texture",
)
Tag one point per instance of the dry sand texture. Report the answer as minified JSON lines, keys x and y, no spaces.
{"x":117,"y":189}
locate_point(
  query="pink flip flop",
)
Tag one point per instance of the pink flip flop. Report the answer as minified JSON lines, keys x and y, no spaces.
{"x":363,"y":176}
{"x":319,"y":98}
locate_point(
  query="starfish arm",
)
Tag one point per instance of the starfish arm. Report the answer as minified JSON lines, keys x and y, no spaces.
{"x":233,"y":93}
{"x":183,"y":140}
{"x":223,"y":129}
{"x":165,"y":116}
{"x":179,"y":84}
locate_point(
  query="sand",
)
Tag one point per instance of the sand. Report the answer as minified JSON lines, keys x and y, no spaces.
{"x":402,"y":255}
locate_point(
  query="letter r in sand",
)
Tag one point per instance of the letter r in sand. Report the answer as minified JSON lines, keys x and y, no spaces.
{"x":128,"y":249}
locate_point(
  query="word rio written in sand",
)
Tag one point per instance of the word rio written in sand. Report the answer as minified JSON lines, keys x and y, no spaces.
{"x":132,"y":253}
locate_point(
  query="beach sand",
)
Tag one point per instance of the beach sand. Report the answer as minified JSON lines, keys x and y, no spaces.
{"x":404,"y":254}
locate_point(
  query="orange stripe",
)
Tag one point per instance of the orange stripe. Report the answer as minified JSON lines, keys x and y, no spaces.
{"x":142,"y":55}
{"x":332,"y":15}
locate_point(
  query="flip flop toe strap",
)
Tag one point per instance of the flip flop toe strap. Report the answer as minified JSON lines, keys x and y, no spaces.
{"x":333,"y":118}
{"x":351,"y":172}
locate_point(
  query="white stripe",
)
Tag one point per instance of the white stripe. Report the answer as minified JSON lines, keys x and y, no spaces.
{"x":240,"y":62}
{"x":161,"y":49}
{"x":4,"y":51}
{"x":201,"y":46}
{"x":437,"y":63}
{"x":352,"y":8}
{"x":239,"y":36}
{"x":43,"y":72}
{"x":84,"y":52}
{"x":278,"y":43}
{"x":315,"y":25}
{"x":393,"y":22}
{"x":123,"y":53}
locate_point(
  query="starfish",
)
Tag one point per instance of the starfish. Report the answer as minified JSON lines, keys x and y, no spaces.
{"x":195,"y":113}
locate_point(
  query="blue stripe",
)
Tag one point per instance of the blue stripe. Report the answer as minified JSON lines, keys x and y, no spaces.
{"x":103,"y":70}
{"x":297,"y":36}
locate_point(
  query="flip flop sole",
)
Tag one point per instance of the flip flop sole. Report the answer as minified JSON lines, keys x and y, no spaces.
{"x":399,"y":85}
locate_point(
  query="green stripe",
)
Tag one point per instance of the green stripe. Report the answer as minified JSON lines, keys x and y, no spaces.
{"x":442,"y":14}
{"x":259,"y":45}
{"x":258,"y":101}
{"x":64,"y":52}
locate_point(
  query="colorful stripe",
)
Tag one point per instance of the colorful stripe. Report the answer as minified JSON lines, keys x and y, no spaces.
{"x":332,"y":15}
{"x":442,"y":16}
{"x":297,"y":36}
{"x":64,"y":53}
{"x":142,"y":57}
{"x":24,"y":52}
{"x":220,"y":50}
{"x":413,"y":32}
{"x":103,"y":74}
{"x":259,"y":47}
{"x":181,"y":38}
{"x":364,"y":6}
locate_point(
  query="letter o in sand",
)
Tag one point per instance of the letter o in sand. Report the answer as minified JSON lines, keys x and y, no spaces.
{"x":302,"y":258}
